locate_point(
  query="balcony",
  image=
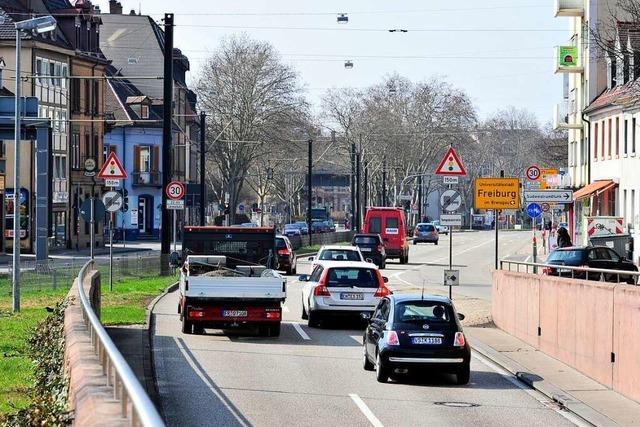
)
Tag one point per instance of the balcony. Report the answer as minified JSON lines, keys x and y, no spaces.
{"x":561,"y":117}
{"x":569,"y":8}
{"x":146,"y":179}
{"x":568,"y":60}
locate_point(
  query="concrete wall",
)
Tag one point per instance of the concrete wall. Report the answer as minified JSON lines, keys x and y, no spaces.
{"x":581,"y":323}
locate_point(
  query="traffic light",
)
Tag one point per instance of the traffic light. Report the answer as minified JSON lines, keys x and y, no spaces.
{"x":226,"y":209}
{"x":125,"y":200}
{"x":254,"y":206}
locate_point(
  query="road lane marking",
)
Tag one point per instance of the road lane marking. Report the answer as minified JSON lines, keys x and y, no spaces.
{"x":301,"y":331}
{"x":365,"y":410}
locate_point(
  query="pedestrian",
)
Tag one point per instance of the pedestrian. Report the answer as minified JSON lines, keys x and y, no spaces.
{"x":564,"y":241}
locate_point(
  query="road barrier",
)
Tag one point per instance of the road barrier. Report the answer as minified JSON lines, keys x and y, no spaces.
{"x":589,"y":325}
{"x":134,"y":402}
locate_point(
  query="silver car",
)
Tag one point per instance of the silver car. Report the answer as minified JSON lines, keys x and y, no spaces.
{"x":341,"y":288}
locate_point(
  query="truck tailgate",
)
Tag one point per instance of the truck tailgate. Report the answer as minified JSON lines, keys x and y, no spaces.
{"x":255,"y":288}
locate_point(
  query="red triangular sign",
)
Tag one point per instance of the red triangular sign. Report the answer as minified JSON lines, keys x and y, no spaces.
{"x":112,"y":168}
{"x":451,"y":164}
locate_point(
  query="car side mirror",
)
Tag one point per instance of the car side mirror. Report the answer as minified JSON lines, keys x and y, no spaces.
{"x":311,"y":258}
{"x":369,"y":260}
{"x":365,"y":316}
{"x":461,"y":316}
{"x":175,"y":259}
{"x":385,"y":279}
{"x":303,"y":278}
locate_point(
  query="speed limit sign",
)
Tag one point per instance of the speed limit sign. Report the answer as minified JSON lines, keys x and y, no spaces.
{"x":175,"y":190}
{"x":533,"y":173}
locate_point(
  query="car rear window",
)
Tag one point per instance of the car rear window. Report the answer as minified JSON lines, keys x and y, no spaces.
{"x":365,"y":240}
{"x":348,"y":277}
{"x":567,"y":257}
{"x":375,"y":225}
{"x":425,"y":227}
{"x":280,"y":243}
{"x":391,"y":223}
{"x":339,"y":255}
{"x":421,"y":311}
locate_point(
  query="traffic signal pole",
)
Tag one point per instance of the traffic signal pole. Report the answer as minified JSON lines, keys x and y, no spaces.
{"x":203,"y":197}
{"x":165,"y":234}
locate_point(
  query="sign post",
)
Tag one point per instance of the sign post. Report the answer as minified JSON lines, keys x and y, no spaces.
{"x":175,"y":192}
{"x":534,"y":210}
{"x":113,"y":202}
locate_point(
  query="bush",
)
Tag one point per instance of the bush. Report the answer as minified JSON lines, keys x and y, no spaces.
{"x":49,"y":393}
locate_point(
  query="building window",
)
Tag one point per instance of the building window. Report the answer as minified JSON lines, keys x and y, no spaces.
{"x":633,"y":207}
{"x":595,"y":142}
{"x":75,"y":95}
{"x":65,"y":74}
{"x":144,"y":111}
{"x":625,"y":135}
{"x":87,"y":147}
{"x":39,"y":70}
{"x":59,"y":167}
{"x":617,"y":136}
{"x":87,"y":97}
{"x":633,"y":135}
{"x":75,"y":151}
{"x":602,"y":153}
{"x":609,"y":142}
{"x":96,"y":96}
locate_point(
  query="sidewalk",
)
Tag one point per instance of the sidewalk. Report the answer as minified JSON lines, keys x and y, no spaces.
{"x":578,"y":393}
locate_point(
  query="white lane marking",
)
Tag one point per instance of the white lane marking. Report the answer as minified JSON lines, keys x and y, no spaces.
{"x":285,"y":309}
{"x":365,"y":410}
{"x":532,"y":392}
{"x":301,"y":331}
{"x":221,"y":398}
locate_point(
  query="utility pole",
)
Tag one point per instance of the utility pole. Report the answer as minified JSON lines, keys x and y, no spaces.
{"x":358,"y":199}
{"x":419,"y":198}
{"x":203,"y":196}
{"x":309,"y":187}
{"x":165,"y":246}
{"x":16,"y":182}
{"x":384,"y":183}
{"x":353,"y":186}
{"x":366,"y":187}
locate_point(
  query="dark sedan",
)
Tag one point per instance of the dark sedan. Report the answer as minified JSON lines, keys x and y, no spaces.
{"x":601,"y":257}
{"x":287,"y":260}
{"x":412,"y":332}
{"x":372,"y":247}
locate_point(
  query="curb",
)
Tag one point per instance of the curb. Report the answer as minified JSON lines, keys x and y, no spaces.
{"x":562,"y":398}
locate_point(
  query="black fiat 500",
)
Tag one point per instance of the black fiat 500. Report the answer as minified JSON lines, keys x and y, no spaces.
{"x":412,"y":332}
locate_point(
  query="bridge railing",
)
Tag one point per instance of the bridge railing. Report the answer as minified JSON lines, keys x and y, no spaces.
{"x":573,"y":272}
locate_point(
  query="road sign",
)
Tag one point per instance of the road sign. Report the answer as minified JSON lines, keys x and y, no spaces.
{"x":496,"y":193}
{"x":452,"y":277}
{"x":450,"y":201}
{"x":175,"y":190}
{"x":112,"y":200}
{"x":89,"y":167}
{"x":134,"y":216}
{"x":451,"y":164}
{"x":451,"y":220}
{"x":241,"y":208}
{"x":545,"y":207}
{"x":450,"y":180}
{"x":404,"y":197}
{"x":534,"y":210}
{"x":112,"y":182}
{"x":549,"y":196}
{"x":98,"y":210}
{"x":112,"y":168}
{"x":175,"y":204}
{"x":533,"y":173}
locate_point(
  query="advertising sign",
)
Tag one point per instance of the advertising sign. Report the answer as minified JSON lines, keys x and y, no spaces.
{"x":24,"y":213}
{"x":496,"y":193}
{"x":568,"y":56}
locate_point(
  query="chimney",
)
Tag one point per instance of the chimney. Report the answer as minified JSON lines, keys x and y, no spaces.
{"x":133,"y":12}
{"x":115,"y":7}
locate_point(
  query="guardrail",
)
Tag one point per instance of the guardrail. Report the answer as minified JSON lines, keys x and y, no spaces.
{"x":126,"y":387}
{"x":597,"y":274}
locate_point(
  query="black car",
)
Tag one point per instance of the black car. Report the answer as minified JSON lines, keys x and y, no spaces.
{"x":372,"y":247}
{"x":601,"y":257}
{"x":287,"y":260}
{"x":409,"y":332}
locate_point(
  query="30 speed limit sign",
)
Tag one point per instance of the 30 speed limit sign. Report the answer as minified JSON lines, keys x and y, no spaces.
{"x":533,"y":173}
{"x":175,"y":190}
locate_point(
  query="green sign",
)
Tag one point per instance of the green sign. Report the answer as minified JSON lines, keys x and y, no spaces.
{"x":568,"y":56}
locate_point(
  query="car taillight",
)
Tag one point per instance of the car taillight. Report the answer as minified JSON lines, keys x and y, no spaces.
{"x":547,"y":270}
{"x":392,"y":338}
{"x":434,"y":232}
{"x":415,"y":232}
{"x":283,"y":252}
{"x":459,"y":340}
{"x":382,"y":291}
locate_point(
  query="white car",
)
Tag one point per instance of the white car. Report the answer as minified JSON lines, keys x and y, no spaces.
{"x":341,"y":288}
{"x":442,"y":229}
{"x":336,"y":253}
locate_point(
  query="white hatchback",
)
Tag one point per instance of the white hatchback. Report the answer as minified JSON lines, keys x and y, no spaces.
{"x":331,"y":253}
{"x":341,"y":288}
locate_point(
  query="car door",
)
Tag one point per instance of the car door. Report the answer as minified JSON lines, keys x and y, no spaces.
{"x":378,"y":324}
{"x":307,"y":289}
{"x":369,"y":342}
{"x":600,"y":258}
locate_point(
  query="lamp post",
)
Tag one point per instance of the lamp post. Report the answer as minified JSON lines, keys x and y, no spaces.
{"x":39,"y":25}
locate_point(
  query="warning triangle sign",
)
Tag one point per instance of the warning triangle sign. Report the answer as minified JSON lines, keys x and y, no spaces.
{"x":451,"y":164}
{"x":112,"y":168}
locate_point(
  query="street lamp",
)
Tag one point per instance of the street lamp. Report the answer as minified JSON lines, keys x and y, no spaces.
{"x":38,"y":25}
{"x":348,"y":64}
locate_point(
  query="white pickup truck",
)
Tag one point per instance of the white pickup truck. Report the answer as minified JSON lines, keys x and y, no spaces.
{"x":225,"y":291}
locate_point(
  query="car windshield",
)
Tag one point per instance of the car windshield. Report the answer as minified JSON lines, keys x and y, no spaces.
{"x":365,"y":240}
{"x":429,"y":311}
{"x":352,"y":277}
{"x":566,"y":257}
{"x":425,"y":227}
{"x":340,"y":255}
{"x":291,"y":227}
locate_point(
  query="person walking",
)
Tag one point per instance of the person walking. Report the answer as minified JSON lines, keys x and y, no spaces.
{"x":564,"y":240}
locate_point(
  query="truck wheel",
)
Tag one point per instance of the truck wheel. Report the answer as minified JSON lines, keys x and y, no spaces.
{"x":187,"y":327}
{"x":314,"y":320}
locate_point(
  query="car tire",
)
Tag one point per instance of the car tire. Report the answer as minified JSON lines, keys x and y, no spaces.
{"x":314,"y":320}
{"x":187,"y":327}
{"x":273,"y":330}
{"x":295,"y":270}
{"x":198,"y":329}
{"x":436,"y":243}
{"x":366,"y":363}
{"x":415,"y":243}
{"x":289,"y":271}
{"x":382,"y":374}
{"x":383,"y":265}
{"x":304,"y":315}
{"x":463,"y":374}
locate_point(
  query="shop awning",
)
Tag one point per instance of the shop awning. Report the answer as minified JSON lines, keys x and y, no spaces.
{"x":595,"y":188}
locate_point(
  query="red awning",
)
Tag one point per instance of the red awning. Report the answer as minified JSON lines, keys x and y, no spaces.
{"x":595,"y":188}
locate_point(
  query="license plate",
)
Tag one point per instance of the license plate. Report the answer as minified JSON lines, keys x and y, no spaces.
{"x":564,"y":270}
{"x":365,"y":249}
{"x":426,"y":340}
{"x":234,"y":313}
{"x":351,"y":297}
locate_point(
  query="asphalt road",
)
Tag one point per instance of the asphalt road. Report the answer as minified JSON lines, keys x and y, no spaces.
{"x":314,"y":377}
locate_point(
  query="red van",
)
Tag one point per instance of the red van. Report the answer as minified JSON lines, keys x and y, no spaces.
{"x":392,"y":226}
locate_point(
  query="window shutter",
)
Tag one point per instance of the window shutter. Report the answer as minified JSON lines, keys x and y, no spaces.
{"x":155,"y":159}
{"x":136,"y":158}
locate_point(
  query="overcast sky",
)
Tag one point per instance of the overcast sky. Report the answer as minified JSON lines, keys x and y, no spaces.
{"x":450,"y":39}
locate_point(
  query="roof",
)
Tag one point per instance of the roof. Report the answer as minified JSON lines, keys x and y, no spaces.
{"x":618,"y":95}
{"x":339,"y":247}
{"x":596,"y":187}
{"x":419,"y":297}
{"x":14,"y":10}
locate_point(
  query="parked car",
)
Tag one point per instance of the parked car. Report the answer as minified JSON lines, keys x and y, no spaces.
{"x":291,"y":230}
{"x":414,"y":332}
{"x":319,"y":227}
{"x":425,"y":232}
{"x":330,"y":225}
{"x":341,"y":289}
{"x":372,"y":247}
{"x":442,"y":229}
{"x":601,"y":257}
{"x":391,"y":225}
{"x":304,"y":228}
{"x":287,"y":260}
{"x":336,"y":253}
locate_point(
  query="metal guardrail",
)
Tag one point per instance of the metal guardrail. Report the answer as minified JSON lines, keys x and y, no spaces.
{"x":599,"y":274}
{"x":126,"y":387}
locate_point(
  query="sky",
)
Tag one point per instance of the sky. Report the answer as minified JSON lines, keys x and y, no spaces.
{"x":499,"y":51}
